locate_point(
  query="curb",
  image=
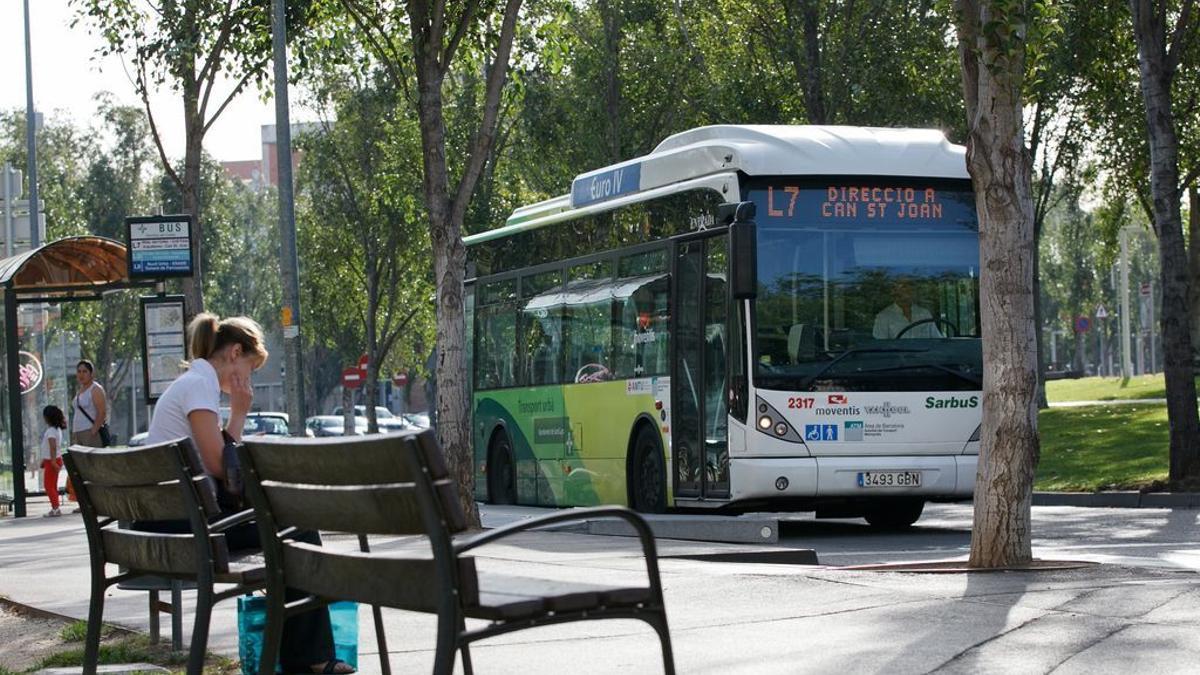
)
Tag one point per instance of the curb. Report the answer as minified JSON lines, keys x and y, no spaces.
{"x":1120,"y":499}
{"x":23,"y":609}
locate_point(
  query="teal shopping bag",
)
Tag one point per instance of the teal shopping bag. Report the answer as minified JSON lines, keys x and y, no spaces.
{"x":252,"y":623}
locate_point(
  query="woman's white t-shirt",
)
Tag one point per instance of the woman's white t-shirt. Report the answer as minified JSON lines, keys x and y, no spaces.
{"x":56,"y":434}
{"x":197,"y":389}
{"x":84,"y":403}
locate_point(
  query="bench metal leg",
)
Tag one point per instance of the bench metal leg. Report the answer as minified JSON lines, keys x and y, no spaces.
{"x":447,"y":640}
{"x":154,"y":628}
{"x":381,"y":641}
{"x":466,"y":647}
{"x":273,"y":633}
{"x":91,"y":645}
{"x":659,"y":622}
{"x":199,"y":647}
{"x":176,"y":615}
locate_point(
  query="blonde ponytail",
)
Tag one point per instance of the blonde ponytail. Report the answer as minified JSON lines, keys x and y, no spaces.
{"x":202,"y":334}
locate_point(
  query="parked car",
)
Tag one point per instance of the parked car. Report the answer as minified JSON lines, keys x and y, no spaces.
{"x":332,"y":425}
{"x":381,"y":413}
{"x":419,"y":420}
{"x":265,"y":424}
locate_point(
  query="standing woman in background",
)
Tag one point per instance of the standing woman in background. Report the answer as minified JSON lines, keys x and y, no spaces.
{"x":91,"y":407}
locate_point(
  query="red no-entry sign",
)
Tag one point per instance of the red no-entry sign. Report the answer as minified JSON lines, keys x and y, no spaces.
{"x":400,"y":379}
{"x":352,"y":377}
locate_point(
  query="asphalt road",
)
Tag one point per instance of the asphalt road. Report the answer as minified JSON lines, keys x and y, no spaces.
{"x":1135,"y":537}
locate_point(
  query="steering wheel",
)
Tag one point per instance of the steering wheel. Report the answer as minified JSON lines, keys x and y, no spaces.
{"x":599,"y":373}
{"x":939,"y":321}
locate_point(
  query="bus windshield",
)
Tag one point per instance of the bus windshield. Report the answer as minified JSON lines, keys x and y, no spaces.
{"x":867,"y":287}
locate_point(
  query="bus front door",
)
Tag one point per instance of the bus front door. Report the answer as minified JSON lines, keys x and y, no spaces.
{"x":700,"y":452}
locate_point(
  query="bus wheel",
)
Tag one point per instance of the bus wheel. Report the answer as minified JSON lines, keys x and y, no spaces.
{"x":896,"y":514}
{"x":501,"y":472}
{"x":648,"y":493}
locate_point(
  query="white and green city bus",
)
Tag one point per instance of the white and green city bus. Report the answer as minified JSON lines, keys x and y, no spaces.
{"x":626,"y":349}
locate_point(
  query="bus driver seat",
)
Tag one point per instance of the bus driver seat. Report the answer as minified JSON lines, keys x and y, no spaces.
{"x":802,"y":343}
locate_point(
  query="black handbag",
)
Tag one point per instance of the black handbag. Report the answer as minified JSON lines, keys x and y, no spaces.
{"x":230,"y":490}
{"x":105,"y":434}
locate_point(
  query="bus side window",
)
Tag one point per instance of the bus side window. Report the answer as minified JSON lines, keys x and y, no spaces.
{"x":496,"y":336}
{"x":587,"y":323}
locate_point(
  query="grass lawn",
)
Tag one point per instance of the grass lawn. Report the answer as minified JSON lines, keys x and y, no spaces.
{"x":1106,"y":388}
{"x":1102,"y":447}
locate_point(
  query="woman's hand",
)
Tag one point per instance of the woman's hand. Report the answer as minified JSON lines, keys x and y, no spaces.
{"x":241,"y":395}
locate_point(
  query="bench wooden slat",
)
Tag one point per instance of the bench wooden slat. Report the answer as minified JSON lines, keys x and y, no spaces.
{"x":120,"y":467}
{"x":503,"y":596}
{"x":360,"y":509}
{"x":164,"y":501}
{"x":337,"y":461}
{"x":161,"y":553}
{"x":373,"y":578}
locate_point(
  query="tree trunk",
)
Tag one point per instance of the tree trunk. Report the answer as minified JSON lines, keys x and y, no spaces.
{"x":372,"y":374}
{"x":193,"y":287}
{"x":993,"y":73}
{"x":807,"y":34}
{"x":1194,"y":267}
{"x":449,"y":263}
{"x":1156,"y":75}
{"x":1040,"y":339}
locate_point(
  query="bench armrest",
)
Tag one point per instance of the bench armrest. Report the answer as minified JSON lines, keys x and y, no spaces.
{"x":649,"y":550}
{"x":244,"y":516}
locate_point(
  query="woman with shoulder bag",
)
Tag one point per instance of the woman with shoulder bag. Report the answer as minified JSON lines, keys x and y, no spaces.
{"x":89,"y":428}
{"x":224,"y":356}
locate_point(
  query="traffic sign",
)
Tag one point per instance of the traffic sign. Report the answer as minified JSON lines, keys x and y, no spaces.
{"x":400,"y":379}
{"x":1145,"y":290}
{"x":1082,"y":324}
{"x":362,"y":364}
{"x":1101,"y":312}
{"x":352,"y":378}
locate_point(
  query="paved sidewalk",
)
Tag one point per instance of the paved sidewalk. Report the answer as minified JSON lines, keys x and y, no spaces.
{"x":738,"y":617}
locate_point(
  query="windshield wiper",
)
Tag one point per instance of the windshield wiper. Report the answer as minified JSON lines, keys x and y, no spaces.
{"x":850,"y":352}
{"x":964,"y":374}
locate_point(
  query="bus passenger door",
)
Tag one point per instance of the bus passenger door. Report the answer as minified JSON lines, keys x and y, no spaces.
{"x":699,"y":431}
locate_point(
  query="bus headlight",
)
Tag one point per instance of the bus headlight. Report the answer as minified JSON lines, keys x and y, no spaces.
{"x":773,"y":424}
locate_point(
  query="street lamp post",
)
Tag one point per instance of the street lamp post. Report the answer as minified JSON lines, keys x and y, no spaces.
{"x":288,"y":262}
{"x":35,"y":221}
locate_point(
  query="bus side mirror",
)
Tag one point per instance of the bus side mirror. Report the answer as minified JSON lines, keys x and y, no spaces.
{"x":743,"y":251}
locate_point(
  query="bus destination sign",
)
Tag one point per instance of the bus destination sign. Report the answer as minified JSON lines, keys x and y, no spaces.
{"x":864,"y":203}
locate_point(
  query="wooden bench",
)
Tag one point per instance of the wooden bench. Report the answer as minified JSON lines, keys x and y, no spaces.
{"x":399,"y":485}
{"x":164,"y":482}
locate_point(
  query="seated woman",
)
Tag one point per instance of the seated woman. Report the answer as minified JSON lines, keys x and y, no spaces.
{"x":224,"y":355}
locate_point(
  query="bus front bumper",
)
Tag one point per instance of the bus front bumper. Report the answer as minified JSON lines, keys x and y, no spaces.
{"x":942,"y":477}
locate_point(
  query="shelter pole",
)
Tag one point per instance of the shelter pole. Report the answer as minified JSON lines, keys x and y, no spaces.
{"x":289,"y":265}
{"x":16,"y":424}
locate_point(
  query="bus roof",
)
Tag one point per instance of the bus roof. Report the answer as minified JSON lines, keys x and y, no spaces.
{"x":756,"y":150}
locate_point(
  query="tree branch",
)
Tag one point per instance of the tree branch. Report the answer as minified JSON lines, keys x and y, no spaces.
{"x":387,"y":55}
{"x":460,"y":30}
{"x":140,"y":66}
{"x":233,"y":94}
{"x":482,"y":140}
{"x":1180,"y":37}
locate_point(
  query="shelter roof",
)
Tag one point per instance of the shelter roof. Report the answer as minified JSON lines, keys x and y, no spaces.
{"x":71,"y":266}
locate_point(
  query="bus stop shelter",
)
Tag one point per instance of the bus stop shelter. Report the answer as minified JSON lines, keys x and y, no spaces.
{"x":35,"y":284}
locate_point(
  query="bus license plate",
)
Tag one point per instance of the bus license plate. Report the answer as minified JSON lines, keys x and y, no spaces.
{"x":877,"y":479}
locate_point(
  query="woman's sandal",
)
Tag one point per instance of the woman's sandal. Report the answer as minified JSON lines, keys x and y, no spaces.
{"x":331,"y":668}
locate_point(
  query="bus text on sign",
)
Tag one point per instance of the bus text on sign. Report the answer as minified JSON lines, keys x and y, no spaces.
{"x":842,"y":203}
